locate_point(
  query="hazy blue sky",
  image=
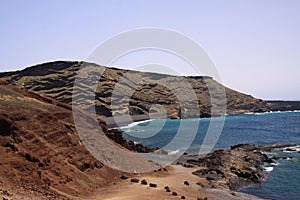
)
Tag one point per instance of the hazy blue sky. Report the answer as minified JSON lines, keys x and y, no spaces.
{"x":254,"y":44}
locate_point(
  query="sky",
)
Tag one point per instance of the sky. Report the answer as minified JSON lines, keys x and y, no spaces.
{"x":255,"y":45}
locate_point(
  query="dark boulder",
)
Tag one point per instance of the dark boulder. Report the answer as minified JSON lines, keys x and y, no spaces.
{"x":174,"y":194}
{"x":144,"y":182}
{"x":153,"y":185}
{"x":134,"y":180}
{"x":123,"y":177}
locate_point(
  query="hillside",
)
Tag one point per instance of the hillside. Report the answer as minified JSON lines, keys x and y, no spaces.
{"x":56,"y":80}
{"x":42,"y":154}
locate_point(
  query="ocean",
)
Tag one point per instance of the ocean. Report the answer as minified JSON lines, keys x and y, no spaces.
{"x":283,"y":181}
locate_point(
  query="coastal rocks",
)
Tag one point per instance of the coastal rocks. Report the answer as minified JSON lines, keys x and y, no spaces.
{"x":117,"y":136}
{"x":273,"y":147}
{"x":200,"y":184}
{"x":281,"y":158}
{"x":290,"y":150}
{"x":209,"y":174}
{"x":283,"y":105}
{"x":236,"y":167}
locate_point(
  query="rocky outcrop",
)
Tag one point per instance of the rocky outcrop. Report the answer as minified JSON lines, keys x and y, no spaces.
{"x":143,"y":90}
{"x":117,"y":136}
{"x":233,"y":168}
{"x":284,"y":105}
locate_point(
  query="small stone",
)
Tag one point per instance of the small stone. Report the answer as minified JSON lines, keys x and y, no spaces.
{"x":5,"y":192}
{"x":153,"y":185}
{"x":200,"y":184}
{"x":174,"y":193}
{"x":186,"y":183}
{"x":134,"y":180}
{"x":167,"y":189}
{"x":123,"y":177}
{"x":182,"y":197}
{"x":234,"y":194}
{"x":69,"y":179}
{"x":144,"y":182}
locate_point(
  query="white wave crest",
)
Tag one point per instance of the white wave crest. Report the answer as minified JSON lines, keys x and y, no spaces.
{"x":133,"y":124}
{"x":173,"y":152}
{"x":268,"y":169}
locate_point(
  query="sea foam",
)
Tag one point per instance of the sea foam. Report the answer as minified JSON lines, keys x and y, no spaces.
{"x":268,"y":169}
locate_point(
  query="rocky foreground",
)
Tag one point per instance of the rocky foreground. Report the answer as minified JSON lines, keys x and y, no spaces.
{"x":215,"y":176}
{"x":234,"y":168}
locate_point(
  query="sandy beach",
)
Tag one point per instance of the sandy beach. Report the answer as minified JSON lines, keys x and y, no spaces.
{"x":174,"y":178}
{"x":177,"y":178}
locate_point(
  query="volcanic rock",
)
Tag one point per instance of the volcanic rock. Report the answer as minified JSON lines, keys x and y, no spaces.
{"x":143,"y":89}
{"x":237,"y":167}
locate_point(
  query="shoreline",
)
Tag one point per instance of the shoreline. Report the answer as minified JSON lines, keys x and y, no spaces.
{"x":123,"y":121}
{"x":228,"y":192}
{"x":172,"y":182}
{"x":216,"y":192}
{"x":133,"y":124}
{"x":182,"y":177}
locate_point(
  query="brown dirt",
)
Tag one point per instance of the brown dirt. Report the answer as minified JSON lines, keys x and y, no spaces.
{"x":41,"y":151}
{"x":174,"y":179}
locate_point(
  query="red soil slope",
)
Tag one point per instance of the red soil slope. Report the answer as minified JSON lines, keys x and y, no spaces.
{"x":40,"y":150}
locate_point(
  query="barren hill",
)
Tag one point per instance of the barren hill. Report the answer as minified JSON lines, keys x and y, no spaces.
{"x":56,"y":80}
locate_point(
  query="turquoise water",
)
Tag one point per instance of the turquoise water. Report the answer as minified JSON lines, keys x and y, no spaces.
{"x":260,"y":129}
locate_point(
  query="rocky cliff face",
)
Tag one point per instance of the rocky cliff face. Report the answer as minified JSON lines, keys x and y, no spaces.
{"x":138,"y":90}
{"x":284,"y":105}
